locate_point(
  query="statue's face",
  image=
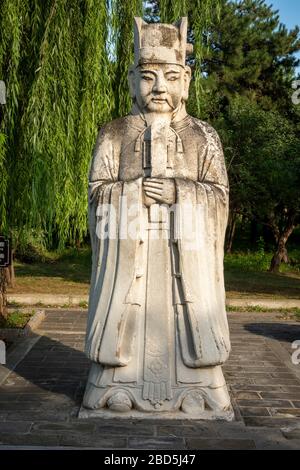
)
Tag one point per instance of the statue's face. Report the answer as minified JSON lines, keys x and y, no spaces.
{"x":160,"y":87}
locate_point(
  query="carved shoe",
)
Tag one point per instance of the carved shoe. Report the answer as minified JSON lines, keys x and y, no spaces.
{"x":120,"y":401}
{"x":192,"y":403}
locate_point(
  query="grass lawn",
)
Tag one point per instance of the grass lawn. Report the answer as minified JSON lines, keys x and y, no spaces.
{"x":67,"y":274}
{"x":245,"y":275}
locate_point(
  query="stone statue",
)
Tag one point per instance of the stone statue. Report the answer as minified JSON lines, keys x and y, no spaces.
{"x":157,"y":330}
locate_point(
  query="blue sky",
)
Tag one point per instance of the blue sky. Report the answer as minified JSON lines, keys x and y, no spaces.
{"x":289,"y":12}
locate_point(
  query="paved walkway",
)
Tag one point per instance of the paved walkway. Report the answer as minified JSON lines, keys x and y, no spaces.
{"x":42,"y":385}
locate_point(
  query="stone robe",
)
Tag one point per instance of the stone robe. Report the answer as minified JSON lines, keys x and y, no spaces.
{"x":157,"y":324}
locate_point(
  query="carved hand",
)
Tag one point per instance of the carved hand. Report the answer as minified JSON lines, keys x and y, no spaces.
{"x":162,"y":190}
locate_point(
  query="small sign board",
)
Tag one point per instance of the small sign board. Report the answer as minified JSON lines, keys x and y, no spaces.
{"x":5,"y":252}
{"x":2,"y":352}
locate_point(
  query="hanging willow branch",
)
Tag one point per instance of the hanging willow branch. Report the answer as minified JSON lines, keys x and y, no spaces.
{"x":201,"y":17}
{"x":46,"y":175}
{"x":96,"y":101}
{"x":123,"y":13}
{"x":36,"y":18}
{"x":11,"y":35}
{"x":3,"y":185}
{"x":172,"y":10}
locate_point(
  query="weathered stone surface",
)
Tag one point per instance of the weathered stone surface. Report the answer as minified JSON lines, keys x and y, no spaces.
{"x":254,"y":411}
{"x":126,"y":430}
{"x":30,"y":439}
{"x":268,"y":421}
{"x":157,"y":330}
{"x":92,"y":440}
{"x":156,"y":443}
{"x":292,"y":431}
{"x":206,"y":429}
{"x":15,"y":427}
{"x":296,"y":403}
{"x":265,"y":403}
{"x":284,"y":395}
{"x":210,"y":444}
{"x":285,"y":412}
{"x":38,"y":415}
{"x":61,"y":427}
{"x":247,"y":395}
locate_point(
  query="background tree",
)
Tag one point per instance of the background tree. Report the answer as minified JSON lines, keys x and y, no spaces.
{"x":264,"y":170}
{"x":249,"y":53}
{"x":65,"y":66}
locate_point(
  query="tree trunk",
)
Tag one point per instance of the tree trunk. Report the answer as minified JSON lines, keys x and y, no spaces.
{"x":3,"y":301}
{"x":231,"y":232}
{"x":10,"y":274}
{"x":281,"y":255}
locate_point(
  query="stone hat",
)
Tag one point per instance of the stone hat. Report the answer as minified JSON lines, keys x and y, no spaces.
{"x":159,"y":43}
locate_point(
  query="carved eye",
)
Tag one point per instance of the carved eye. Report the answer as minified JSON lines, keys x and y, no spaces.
{"x":146,"y":77}
{"x":172,"y":78}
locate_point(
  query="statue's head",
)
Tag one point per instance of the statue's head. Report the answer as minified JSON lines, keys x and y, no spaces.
{"x":159,"y":79}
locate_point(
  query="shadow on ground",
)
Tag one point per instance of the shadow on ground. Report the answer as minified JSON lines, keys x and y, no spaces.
{"x":50,"y":367}
{"x":279,"y":331}
{"x":263,"y":283}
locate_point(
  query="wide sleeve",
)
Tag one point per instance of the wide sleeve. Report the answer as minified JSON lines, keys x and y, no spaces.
{"x":111,"y":305}
{"x":201,"y":219}
{"x":212,"y":170}
{"x":102,"y":176}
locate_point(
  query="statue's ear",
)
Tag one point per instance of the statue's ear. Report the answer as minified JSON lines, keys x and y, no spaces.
{"x":187,"y":80}
{"x":131,"y":81}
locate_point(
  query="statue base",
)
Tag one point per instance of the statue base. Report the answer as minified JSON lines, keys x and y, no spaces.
{"x":207,"y":400}
{"x":185,"y":402}
{"x":207,"y":415}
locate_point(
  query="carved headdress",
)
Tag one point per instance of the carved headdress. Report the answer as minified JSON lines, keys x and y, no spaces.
{"x":160,"y":43}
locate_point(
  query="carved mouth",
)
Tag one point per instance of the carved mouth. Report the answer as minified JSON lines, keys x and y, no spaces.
{"x":159,"y":100}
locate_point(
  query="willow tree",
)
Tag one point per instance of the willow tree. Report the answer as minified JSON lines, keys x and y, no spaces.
{"x":50,"y":126}
{"x":96,"y":100}
{"x":12,"y":26}
{"x":65,"y":66}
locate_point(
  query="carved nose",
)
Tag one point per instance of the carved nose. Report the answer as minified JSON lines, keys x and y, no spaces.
{"x":160,"y":86}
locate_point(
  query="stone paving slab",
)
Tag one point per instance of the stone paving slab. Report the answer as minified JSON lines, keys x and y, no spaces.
{"x":42,"y":388}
